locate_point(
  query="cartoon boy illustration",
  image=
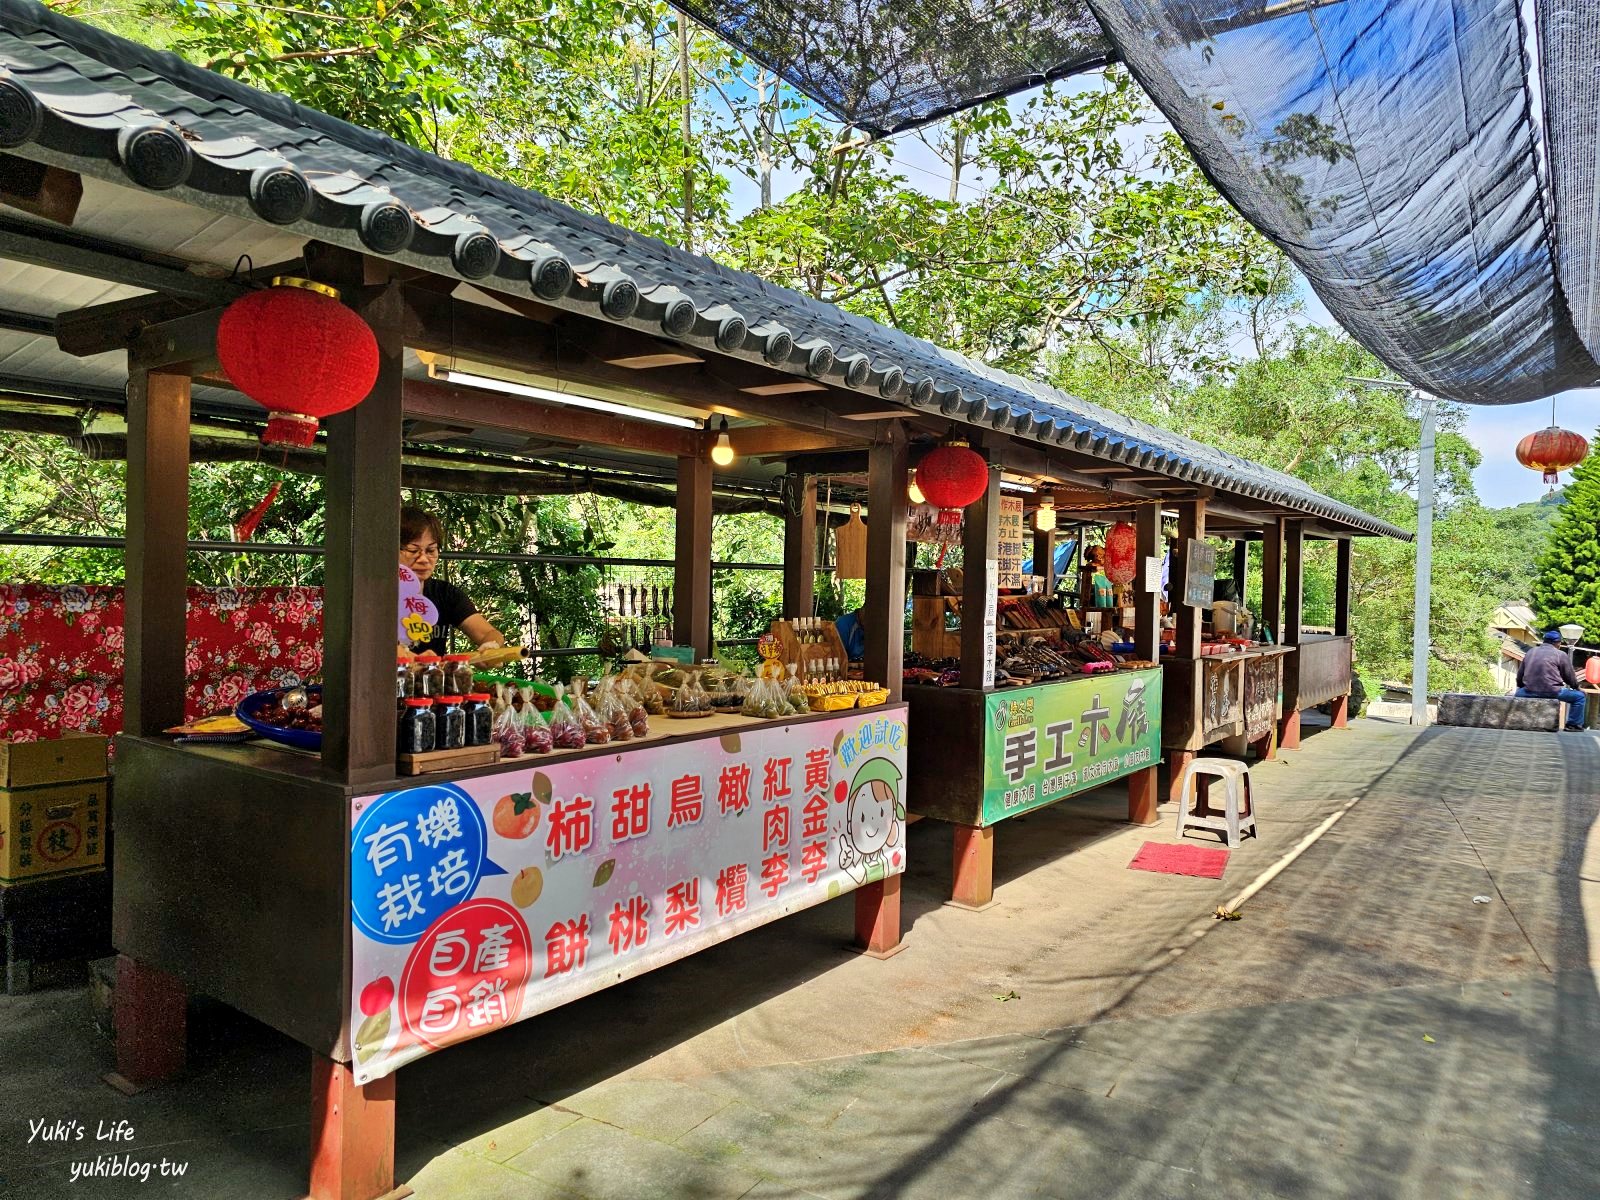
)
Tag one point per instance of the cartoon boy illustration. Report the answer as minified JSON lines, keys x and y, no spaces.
{"x":872,"y":820}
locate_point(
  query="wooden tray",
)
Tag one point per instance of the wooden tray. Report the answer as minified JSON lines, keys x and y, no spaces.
{"x":448,"y":760}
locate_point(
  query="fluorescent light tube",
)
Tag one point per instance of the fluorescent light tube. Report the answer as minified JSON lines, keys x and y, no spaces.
{"x":489,"y":384}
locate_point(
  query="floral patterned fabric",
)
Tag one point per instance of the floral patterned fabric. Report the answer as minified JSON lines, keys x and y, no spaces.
{"x":61,"y":653}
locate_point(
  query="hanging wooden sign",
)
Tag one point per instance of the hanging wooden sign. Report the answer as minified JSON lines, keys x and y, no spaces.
{"x":850,"y":546}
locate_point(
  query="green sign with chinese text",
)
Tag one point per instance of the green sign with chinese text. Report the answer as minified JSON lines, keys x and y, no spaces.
{"x":1045,"y":743}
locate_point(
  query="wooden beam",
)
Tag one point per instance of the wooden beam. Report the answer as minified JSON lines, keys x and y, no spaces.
{"x":579,"y":349}
{"x":1241,"y":566}
{"x":362,"y":506}
{"x":96,"y":258}
{"x":1293,"y":583}
{"x":455,"y":404}
{"x":155,"y":612}
{"x":1146,"y":605}
{"x":691,"y":582}
{"x":755,"y":442}
{"x":1342,"y":590}
{"x":1191,"y":526}
{"x":980,"y":539}
{"x":1044,"y":556}
{"x":793,"y":387}
{"x":800,"y":551}
{"x":884,"y":617}
{"x":1272,"y":579}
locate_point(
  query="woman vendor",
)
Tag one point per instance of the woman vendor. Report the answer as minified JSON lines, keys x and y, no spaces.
{"x":420,"y":538}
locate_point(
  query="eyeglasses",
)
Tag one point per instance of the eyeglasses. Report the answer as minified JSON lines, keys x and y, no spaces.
{"x":429,"y":551}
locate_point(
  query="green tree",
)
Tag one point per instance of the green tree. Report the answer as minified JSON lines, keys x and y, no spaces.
{"x":1566,"y":589}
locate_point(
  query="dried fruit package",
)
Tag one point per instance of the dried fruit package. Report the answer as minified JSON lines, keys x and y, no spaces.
{"x":638,"y":714}
{"x":508,"y":733}
{"x":613,"y":712}
{"x":536,"y":733}
{"x":595,"y":731}
{"x":565,"y":732}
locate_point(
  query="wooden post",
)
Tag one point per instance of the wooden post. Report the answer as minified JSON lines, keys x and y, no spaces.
{"x":800,"y":551}
{"x":1342,"y":586}
{"x":884,"y":617}
{"x":1191,"y":525}
{"x":691,"y":579}
{"x":1241,"y":566}
{"x":352,"y":1134}
{"x":1146,"y":605}
{"x":1272,"y":579}
{"x":980,"y":543}
{"x":1293,"y":582}
{"x":1044,"y":559}
{"x":362,"y":503}
{"x":1177,"y":760}
{"x":878,"y":918}
{"x":151,"y":1024}
{"x":1293,"y":603}
{"x":1341,"y":712}
{"x":972,"y":867}
{"x":1142,"y":797}
{"x":155,"y":617}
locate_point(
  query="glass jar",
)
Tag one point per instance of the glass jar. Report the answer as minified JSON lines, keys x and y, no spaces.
{"x":402,"y":681}
{"x":452,"y":723}
{"x":458,"y":674}
{"x":480,"y":719}
{"x":417,"y":727}
{"x":431,"y":682}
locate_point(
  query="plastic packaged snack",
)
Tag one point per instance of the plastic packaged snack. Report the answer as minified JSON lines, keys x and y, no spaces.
{"x":595,"y":731}
{"x":536,"y":733}
{"x":638,"y":713}
{"x":508,"y":733}
{"x":565,"y":732}
{"x":612,"y":710}
{"x":690,"y":699}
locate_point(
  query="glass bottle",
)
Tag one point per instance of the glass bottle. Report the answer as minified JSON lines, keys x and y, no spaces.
{"x":418,"y":726}
{"x":431,"y":684}
{"x":451,"y":721}
{"x":480,"y":719}
{"x":458,"y":674}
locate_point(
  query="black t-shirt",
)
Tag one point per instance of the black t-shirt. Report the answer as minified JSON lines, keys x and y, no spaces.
{"x":454,"y":606}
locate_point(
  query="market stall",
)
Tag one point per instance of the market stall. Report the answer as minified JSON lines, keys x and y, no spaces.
{"x":516,"y":347}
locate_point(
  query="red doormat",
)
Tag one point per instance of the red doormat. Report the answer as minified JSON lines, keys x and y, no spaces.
{"x":1180,"y":860}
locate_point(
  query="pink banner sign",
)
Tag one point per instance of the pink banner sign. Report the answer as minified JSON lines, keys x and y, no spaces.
{"x":480,"y":903}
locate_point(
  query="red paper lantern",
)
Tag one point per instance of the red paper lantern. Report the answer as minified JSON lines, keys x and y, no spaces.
{"x":952,"y":476}
{"x":299,"y":353}
{"x":1122,"y":553}
{"x":1552,"y":450}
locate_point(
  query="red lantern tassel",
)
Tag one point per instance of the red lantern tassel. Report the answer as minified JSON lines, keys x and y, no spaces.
{"x":245,"y":527}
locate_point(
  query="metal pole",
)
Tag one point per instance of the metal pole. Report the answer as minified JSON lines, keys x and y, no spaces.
{"x":1419,"y":633}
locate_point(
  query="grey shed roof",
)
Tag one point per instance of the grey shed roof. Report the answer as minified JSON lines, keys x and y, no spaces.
{"x":113,"y":109}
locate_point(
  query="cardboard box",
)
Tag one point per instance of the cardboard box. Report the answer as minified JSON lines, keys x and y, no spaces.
{"x":48,"y":830}
{"x":60,"y":760}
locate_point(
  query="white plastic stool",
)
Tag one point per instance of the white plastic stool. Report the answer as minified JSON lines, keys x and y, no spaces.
{"x":1239,"y":809}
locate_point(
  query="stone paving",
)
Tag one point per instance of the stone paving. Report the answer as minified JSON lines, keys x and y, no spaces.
{"x":1366,"y":1030}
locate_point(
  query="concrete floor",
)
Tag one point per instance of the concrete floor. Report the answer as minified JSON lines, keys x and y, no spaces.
{"x":1366,"y":1029}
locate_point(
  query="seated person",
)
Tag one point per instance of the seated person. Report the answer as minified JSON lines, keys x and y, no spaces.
{"x":1546,"y":674}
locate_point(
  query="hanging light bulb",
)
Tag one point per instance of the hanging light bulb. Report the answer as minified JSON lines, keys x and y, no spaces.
{"x":1045,"y":519}
{"x":722,"y":452}
{"x":913,"y":492}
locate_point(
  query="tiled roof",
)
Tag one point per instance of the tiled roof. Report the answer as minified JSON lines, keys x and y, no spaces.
{"x":107,"y":107}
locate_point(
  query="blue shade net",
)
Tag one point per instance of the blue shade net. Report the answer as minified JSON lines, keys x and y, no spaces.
{"x":1429,"y":165}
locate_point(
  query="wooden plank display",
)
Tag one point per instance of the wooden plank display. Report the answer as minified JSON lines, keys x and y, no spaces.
{"x":1221,"y":705}
{"x":1199,"y":573}
{"x":1260,"y":696}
